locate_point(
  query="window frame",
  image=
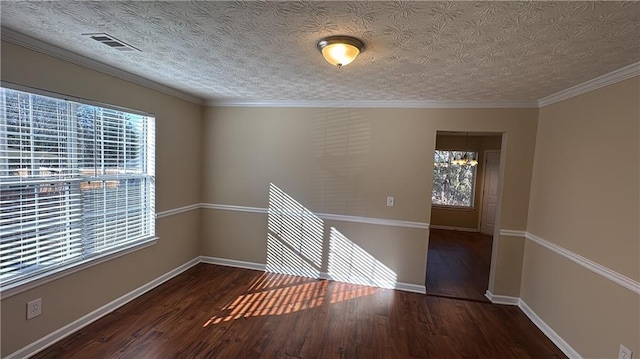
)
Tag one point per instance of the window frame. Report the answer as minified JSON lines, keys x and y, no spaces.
{"x":38,"y":278}
{"x":474,"y":184}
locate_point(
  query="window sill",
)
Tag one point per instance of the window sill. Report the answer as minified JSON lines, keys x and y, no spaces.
{"x":30,"y":283}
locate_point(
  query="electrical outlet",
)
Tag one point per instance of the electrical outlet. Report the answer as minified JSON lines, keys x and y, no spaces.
{"x":390,"y":201}
{"x":34,"y":308}
{"x":624,"y":352}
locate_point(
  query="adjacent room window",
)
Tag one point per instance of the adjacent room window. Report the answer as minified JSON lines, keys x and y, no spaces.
{"x":453,"y":184}
{"x":76,"y":184}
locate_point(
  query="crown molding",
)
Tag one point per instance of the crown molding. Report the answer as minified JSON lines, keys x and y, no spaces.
{"x":74,"y":58}
{"x":31,"y":43}
{"x":370,"y":104}
{"x":622,"y":74}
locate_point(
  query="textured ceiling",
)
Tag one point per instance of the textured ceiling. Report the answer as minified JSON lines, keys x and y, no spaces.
{"x":415,"y":51}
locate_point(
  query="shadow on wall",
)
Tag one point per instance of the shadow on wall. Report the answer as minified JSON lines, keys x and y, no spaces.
{"x":341,"y":147}
{"x":294,"y":236}
{"x":295,"y":245}
{"x":352,"y":264}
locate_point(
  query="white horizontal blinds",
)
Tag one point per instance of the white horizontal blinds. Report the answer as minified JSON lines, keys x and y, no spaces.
{"x":40,"y":203}
{"x":117,"y":191}
{"x":76,"y":183}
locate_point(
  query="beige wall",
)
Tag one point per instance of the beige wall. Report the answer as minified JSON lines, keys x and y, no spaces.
{"x":468,"y":218}
{"x":585,"y":197}
{"x":347,"y":161}
{"x":178,"y":176}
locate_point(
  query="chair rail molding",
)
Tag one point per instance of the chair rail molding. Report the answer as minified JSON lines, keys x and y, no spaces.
{"x":597,"y":268}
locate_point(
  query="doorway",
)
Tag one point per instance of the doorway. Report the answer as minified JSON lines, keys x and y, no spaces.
{"x":464,"y":201}
{"x":490,"y":191}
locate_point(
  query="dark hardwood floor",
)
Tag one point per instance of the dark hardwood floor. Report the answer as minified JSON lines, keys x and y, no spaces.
{"x":458,"y":264}
{"x":212,"y":311}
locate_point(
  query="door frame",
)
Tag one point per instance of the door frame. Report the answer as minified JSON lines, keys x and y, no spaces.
{"x":495,"y":235}
{"x":496,"y":231}
{"x":484,"y":181}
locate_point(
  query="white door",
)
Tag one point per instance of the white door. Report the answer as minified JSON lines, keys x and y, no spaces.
{"x":490,"y":191}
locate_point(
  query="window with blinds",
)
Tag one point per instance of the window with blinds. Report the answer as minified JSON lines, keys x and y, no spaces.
{"x":76,"y":184}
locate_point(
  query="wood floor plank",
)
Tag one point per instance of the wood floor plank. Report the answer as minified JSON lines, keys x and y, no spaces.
{"x":458,"y":264}
{"x":212,"y":311}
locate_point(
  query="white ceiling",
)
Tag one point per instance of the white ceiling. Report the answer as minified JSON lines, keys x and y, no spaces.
{"x":415,"y":51}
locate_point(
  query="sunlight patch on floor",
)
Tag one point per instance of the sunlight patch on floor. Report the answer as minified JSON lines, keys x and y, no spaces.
{"x":278,"y":294}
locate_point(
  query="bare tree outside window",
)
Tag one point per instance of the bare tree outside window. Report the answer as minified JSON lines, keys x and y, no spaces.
{"x":76,"y":183}
{"x":453,"y":185}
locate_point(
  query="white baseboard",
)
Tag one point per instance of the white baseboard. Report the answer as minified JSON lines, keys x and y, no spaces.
{"x":501,"y":299}
{"x":87,"y":319}
{"x":232,"y":263}
{"x":450,"y":228}
{"x":544,"y":328}
{"x":550,"y":333}
{"x":407,"y":287}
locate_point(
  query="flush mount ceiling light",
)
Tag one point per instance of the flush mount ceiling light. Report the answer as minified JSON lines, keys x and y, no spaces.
{"x":340,"y":50}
